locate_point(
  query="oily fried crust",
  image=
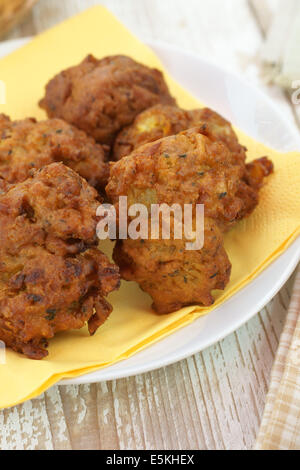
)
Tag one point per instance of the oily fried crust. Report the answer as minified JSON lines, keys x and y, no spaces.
{"x":185,"y":169}
{"x":218,"y":129}
{"x":50,"y":293}
{"x":172,"y":275}
{"x":257,"y":170}
{"x":103,"y":96}
{"x":4,"y":186}
{"x":52,"y":276}
{"x":161,"y":121}
{"x":26,"y":145}
{"x":152,"y":124}
{"x":202,"y":165}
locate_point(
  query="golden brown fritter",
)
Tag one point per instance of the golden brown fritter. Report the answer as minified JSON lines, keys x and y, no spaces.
{"x":188,"y":168}
{"x":103,"y":96}
{"x":218,"y":130}
{"x":26,"y":145}
{"x":162,"y":121}
{"x":172,"y":275}
{"x":150,"y":125}
{"x":52,"y":276}
{"x":3,"y":186}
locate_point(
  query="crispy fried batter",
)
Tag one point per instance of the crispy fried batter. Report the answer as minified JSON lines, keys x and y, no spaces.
{"x":28,"y":144}
{"x":162,"y":121}
{"x":257,"y":170}
{"x":103,"y":96}
{"x":218,"y":130}
{"x":52,"y":276}
{"x":150,"y":125}
{"x":188,"y":168}
{"x":172,"y":275}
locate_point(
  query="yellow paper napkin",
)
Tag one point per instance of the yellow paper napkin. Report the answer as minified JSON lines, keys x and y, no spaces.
{"x":251,"y":246}
{"x":280,"y":427}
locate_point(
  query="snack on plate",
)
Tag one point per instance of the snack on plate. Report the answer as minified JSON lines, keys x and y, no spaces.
{"x":192,"y":167}
{"x":162,"y":121}
{"x":52,"y":276}
{"x":27,"y":145}
{"x":152,"y":124}
{"x":102,"y":96}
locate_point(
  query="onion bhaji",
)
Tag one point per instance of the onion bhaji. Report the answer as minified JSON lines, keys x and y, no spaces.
{"x":52,"y":276}
{"x":192,"y":167}
{"x":161,"y":121}
{"x":102,"y":96}
{"x":187,"y":168}
{"x":26,"y":145}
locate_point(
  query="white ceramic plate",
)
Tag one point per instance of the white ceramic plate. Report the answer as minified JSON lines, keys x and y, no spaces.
{"x":254,"y":112}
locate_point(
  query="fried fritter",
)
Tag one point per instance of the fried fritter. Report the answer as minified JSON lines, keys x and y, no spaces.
{"x":188,"y":168}
{"x":26,"y":145}
{"x":102,"y":96}
{"x":150,"y":125}
{"x":162,"y":121}
{"x":172,"y":275}
{"x":52,"y":276}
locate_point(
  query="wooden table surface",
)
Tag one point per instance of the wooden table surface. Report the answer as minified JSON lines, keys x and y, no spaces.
{"x":215,"y":399}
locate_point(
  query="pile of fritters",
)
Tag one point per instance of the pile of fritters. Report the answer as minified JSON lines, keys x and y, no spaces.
{"x":52,"y":275}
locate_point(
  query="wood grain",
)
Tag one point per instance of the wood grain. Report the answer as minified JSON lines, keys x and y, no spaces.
{"x":215,"y":399}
